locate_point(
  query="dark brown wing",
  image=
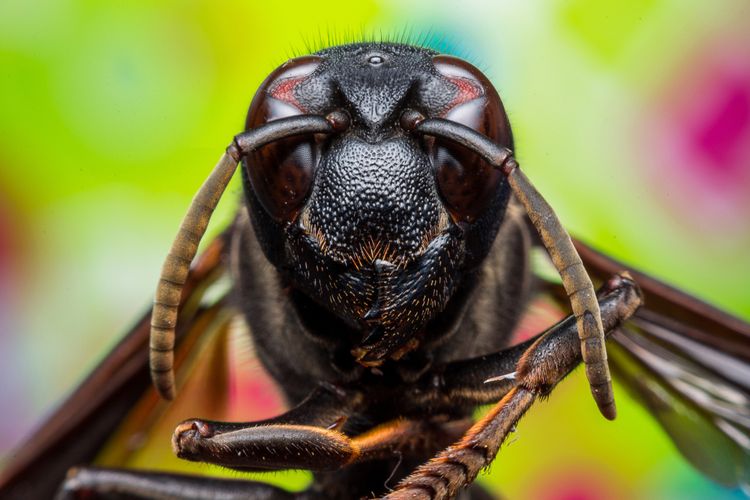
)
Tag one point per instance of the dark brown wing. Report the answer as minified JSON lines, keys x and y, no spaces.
{"x":688,"y":363}
{"x":78,"y":429}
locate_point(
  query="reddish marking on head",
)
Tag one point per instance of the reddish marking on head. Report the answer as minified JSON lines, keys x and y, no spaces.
{"x":284,"y":91}
{"x":466,"y":91}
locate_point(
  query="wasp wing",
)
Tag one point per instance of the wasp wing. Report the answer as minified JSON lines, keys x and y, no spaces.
{"x":688,"y":363}
{"x":115,"y":417}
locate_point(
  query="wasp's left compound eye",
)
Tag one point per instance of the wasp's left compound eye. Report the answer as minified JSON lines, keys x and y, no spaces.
{"x":466,"y":182}
{"x":281,"y":173}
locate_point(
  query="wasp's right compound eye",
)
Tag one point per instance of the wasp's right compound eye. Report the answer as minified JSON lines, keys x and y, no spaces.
{"x":281,"y":173}
{"x":466,"y":182}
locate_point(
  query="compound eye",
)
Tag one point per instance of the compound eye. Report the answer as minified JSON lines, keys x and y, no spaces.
{"x":466,"y":182}
{"x":281,"y":173}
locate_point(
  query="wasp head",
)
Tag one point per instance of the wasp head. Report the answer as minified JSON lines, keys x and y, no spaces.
{"x":378,"y":226}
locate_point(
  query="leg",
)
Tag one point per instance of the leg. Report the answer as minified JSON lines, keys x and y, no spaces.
{"x":306,"y":437}
{"x":326,"y":406}
{"x":265,"y":447}
{"x":296,"y":439}
{"x":465,"y":382}
{"x":93,"y":483}
{"x":291,"y":446}
{"x":543,"y":365}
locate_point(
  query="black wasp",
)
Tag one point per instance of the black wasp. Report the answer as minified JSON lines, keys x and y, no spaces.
{"x":381,"y":262}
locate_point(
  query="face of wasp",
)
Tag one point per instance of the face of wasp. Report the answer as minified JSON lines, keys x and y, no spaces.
{"x":378,"y":226}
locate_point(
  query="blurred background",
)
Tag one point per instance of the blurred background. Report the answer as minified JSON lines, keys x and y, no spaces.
{"x":633,"y":119}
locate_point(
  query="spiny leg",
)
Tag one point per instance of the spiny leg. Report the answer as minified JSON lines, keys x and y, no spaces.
{"x":463,"y":382}
{"x":327,"y":405}
{"x":303,"y":437}
{"x":92,"y":482}
{"x":292,"y":440}
{"x":546,"y":362}
{"x":291,"y":446}
{"x":306,"y":437}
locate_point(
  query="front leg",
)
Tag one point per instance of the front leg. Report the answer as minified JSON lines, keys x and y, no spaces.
{"x":546,"y":362}
{"x":326,"y":408}
{"x":305,"y":437}
{"x":93,"y":482}
{"x":251,"y":447}
{"x":487,"y":379}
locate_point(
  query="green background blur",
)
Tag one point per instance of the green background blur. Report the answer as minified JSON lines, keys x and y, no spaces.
{"x":633,"y":118}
